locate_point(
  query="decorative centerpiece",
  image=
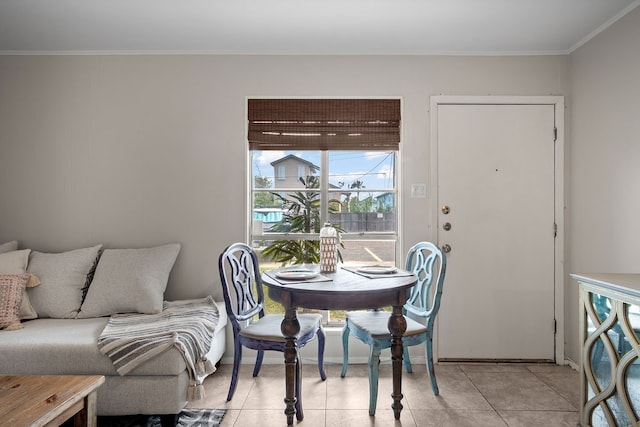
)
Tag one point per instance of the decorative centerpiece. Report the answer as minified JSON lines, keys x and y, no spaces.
{"x":328,"y":249}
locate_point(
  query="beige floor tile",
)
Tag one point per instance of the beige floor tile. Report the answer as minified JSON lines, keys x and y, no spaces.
{"x":456,"y":418}
{"x":272,"y":417}
{"x":563,"y":379}
{"x":266,"y":393}
{"x":312,"y":418}
{"x":217,"y":387}
{"x":524,"y":395}
{"x":261,"y":417}
{"x":267,"y":370}
{"x":540,"y":418}
{"x":268,"y":389}
{"x":361,"y":418}
{"x":348,"y":393}
{"x":230,"y":418}
{"x":314,"y":393}
{"x":518,"y":391}
{"x":456,"y":390}
{"x":353,"y":392}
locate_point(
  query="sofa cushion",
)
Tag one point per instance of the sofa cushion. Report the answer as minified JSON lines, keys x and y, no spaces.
{"x":62,"y":277}
{"x":69,"y":346}
{"x":15,"y":262}
{"x":9,"y":246}
{"x":11,"y":288}
{"x":130,"y":281}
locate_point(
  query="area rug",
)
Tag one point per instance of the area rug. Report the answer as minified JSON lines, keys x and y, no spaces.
{"x":187,"y":418}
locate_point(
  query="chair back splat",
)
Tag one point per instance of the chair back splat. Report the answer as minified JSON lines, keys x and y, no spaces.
{"x":243,"y":274}
{"x":252,"y":327}
{"x":429,"y":264}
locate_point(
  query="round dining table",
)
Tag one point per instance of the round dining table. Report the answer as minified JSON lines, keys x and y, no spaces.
{"x":346,"y":289}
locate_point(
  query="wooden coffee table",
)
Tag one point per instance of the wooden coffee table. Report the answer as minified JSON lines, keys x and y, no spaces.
{"x":48,"y":400}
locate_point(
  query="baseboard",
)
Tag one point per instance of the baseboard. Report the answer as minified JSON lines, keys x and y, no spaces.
{"x":572,"y":364}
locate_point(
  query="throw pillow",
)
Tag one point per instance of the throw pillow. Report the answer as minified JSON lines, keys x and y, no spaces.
{"x":15,"y":262}
{"x":62,"y":277}
{"x":11,"y":287}
{"x":9,"y":246}
{"x":130,"y":281}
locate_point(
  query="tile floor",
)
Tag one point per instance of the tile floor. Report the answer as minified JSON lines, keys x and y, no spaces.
{"x":478,"y":395}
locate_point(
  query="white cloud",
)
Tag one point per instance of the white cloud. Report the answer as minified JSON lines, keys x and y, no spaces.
{"x":266,"y":157}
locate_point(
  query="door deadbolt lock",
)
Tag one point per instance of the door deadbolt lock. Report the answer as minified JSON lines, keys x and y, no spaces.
{"x":446,"y":226}
{"x":446,"y":248}
{"x":446,"y":209}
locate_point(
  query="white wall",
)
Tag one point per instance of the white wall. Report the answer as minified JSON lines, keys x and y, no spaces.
{"x":604,"y":160}
{"x":131,"y":151}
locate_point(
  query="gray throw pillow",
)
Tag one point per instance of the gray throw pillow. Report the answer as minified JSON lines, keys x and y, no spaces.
{"x":62,"y":277}
{"x":130,"y":281}
{"x":9,"y":246}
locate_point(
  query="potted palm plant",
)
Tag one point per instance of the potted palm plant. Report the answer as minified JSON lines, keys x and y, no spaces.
{"x":301,"y":215}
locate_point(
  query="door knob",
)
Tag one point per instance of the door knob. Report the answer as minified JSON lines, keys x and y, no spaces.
{"x":446,"y":209}
{"x":446,"y":248}
{"x":446,"y":226}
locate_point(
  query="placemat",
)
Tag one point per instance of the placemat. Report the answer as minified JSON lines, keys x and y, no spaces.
{"x":398,"y":273}
{"x":318,"y":278}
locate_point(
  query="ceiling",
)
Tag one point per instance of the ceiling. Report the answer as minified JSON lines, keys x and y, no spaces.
{"x":293,"y":27}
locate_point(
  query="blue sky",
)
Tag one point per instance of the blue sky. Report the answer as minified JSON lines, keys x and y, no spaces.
{"x":374,"y":168}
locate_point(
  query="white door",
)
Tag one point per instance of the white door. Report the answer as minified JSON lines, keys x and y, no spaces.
{"x":495,"y":174}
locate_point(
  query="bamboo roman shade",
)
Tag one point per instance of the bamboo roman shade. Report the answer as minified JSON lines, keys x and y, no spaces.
{"x":324,"y":124}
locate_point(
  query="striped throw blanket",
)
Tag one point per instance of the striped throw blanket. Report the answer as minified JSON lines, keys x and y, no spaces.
{"x":131,"y":339}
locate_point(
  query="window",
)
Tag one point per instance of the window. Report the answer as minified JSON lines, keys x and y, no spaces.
{"x":345,"y":154}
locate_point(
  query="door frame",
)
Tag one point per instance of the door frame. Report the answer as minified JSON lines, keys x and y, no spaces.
{"x":559,"y":196}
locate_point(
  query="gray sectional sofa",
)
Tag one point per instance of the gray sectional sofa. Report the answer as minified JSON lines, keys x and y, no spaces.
{"x":60,"y":320}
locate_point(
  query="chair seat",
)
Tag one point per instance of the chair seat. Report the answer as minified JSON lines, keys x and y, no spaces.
{"x":375,"y":323}
{"x":264,"y":328}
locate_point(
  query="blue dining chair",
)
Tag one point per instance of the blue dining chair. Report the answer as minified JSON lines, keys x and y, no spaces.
{"x":428,"y":263}
{"x":252,"y":328}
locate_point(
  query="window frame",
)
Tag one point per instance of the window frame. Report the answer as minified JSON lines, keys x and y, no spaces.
{"x":395,"y":236}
